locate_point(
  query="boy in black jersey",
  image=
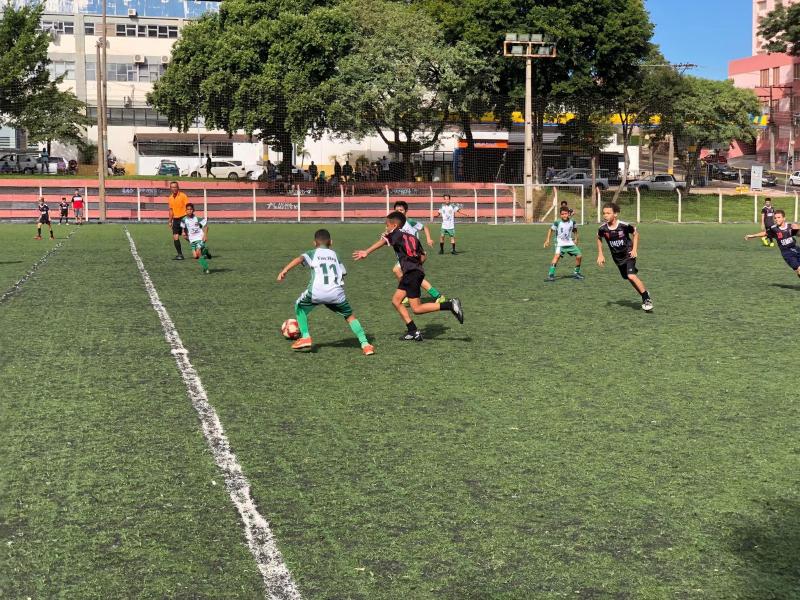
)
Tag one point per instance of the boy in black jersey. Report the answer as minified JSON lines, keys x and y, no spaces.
{"x":411,"y":256}
{"x":783,"y":233}
{"x":63,"y":207}
{"x":767,"y":221}
{"x":623,"y":243}
{"x":44,"y":219}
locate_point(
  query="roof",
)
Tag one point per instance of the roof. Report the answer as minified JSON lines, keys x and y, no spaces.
{"x":205,"y":138}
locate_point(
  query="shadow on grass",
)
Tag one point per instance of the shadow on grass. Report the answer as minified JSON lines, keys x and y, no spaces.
{"x":435,"y":330}
{"x":625,"y":303}
{"x":769,"y":545}
{"x":778,"y":285}
{"x":10,"y":262}
{"x":223,"y":270}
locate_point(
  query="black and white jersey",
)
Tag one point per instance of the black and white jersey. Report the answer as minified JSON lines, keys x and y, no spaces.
{"x":768,"y":213}
{"x":619,"y":239}
{"x":44,"y":211}
{"x":784,"y":236}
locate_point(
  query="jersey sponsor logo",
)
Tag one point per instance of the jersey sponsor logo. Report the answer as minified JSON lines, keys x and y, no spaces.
{"x":617,"y":243}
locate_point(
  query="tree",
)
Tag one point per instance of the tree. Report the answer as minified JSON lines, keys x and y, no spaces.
{"x":23,"y":59}
{"x":589,"y":131}
{"x":706,"y":112}
{"x":55,"y":115}
{"x":256,"y":66}
{"x":399,"y":80}
{"x":781,"y":29}
{"x":641,"y":99}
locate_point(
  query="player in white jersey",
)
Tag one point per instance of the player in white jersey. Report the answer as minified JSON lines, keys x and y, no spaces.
{"x":326,"y":287}
{"x":196,"y":231}
{"x":566,"y":243}
{"x":448,"y":212}
{"x":414,"y":228}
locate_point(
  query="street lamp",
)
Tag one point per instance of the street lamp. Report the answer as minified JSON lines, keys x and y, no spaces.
{"x":529,"y":46}
{"x":102,"y":95}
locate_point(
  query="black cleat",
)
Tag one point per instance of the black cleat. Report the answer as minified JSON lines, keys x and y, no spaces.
{"x":457,"y":310}
{"x":412,"y":337}
{"x":453,"y":252}
{"x":441,"y":251}
{"x":178,"y":257}
{"x":550,"y":278}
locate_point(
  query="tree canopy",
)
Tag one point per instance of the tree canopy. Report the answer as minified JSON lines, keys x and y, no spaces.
{"x":781,"y":29}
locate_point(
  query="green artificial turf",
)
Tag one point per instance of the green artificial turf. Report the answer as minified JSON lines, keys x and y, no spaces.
{"x":560,"y":444}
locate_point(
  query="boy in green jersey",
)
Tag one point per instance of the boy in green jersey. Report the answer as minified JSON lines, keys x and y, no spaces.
{"x":196,"y":231}
{"x":326,"y":287}
{"x":566,"y":243}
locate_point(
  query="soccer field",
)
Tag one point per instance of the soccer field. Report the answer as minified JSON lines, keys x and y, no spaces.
{"x":561,"y":443}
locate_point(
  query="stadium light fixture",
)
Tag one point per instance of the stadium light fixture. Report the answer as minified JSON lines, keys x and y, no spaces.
{"x":529,"y":46}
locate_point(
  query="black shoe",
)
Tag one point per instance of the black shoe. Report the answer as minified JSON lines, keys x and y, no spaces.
{"x":441,"y":251}
{"x":178,"y":257}
{"x":412,"y":337}
{"x":457,"y":310}
{"x":453,"y":252}
{"x":208,"y":255}
{"x":550,"y":279}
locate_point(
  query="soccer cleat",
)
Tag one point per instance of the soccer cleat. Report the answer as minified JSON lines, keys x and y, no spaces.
{"x":578,"y":276}
{"x":457,"y":310}
{"x":441,"y":299}
{"x":550,"y":278}
{"x":412,"y":337}
{"x":178,"y":257}
{"x":302,"y":344}
{"x":453,"y":252}
{"x":206,"y":271}
{"x":441,"y":251}
{"x":647,"y":305}
{"x":772,"y":244}
{"x":37,"y":237}
{"x":368,"y":349}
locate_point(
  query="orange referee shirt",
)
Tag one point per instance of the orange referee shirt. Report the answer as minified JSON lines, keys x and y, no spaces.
{"x":177,"y":204}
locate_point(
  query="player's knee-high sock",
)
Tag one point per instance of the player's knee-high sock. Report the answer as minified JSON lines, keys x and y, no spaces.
{"x":355,"y":325}
{"x":203,"y":263}
{"x":441,"y":246}
{"x":434,"y":292}
{"x":205,"y":251}
{"x":302,"y":320}
{"x":178,"y":246}
{"x":552,"y":270}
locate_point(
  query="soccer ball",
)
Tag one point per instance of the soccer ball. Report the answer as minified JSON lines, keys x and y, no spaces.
{"x":290,"y":329}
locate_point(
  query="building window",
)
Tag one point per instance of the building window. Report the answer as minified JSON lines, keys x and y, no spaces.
{"x":91,"y":71}
{"x":150,"y":72}
{"x":57,"y":68}
{"x":173,"y":31}
{"x":126,"y":30}
{"x":776,"y":76}
{"x":119,"y":72}
{"x":88,"y":28}
{"x":143,"y":116}
{"x":764,"y":77}
{"x":59,"y":27}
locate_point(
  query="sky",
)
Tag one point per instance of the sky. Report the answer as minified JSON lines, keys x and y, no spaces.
{"x":708,"y":33}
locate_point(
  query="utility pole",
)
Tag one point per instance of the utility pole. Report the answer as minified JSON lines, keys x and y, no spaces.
{"x":102,"y":89}
{"x":529,"y":46}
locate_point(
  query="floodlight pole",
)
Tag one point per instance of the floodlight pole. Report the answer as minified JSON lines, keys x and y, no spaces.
{"x":528,"y":181}
{"x":100,"y":72}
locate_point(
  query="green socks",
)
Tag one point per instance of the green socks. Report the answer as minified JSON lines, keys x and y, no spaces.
{"x":355,"y":325}
{"x":434,"y":293}
{"x":577,"y":269}
{"x":302,"y":320}
{"x":203,"y":263}
{"x":552,"y":270}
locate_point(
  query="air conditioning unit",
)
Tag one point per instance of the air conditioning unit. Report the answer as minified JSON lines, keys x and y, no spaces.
{"x":139,"y":59}
{"x":132,"y":13}
{"x":165,"y":60}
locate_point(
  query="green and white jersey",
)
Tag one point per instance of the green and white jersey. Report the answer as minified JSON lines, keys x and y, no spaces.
{"x":194,"y":228}
{"x":412,"y":227}
{"x":565,"y":233}
{"x":448,"y":212}
{"x":327,"y":276}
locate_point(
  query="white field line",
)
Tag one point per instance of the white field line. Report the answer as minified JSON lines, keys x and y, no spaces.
{"x":278,"y":581}
{"x":35,"y":267}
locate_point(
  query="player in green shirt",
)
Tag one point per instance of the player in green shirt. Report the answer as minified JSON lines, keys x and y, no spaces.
{"x":196,"y":231}
{"x":566,"y":243}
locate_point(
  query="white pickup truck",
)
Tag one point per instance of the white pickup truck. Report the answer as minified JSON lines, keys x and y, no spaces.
{"x":657,"y":183}
{"x":582,"y":179}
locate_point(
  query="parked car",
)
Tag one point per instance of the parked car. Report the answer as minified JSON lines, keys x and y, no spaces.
{"x":714,"y":159}
{"x":582,"y":179}
{"x":221,"y":169}
{"x":168,"y":168}
{"x":794,"y":178}
{"x":723,"y":172}
{"x":767,"y":179}
{"x":57,"y":165}
{"x":657,"y":183}
{"x":20,"y":163}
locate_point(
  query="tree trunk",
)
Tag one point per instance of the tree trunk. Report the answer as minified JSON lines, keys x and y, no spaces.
{"x":538,"y":141}
{"x":594,"y":175}
{"x":626,"y":159}
{"x":469,"y":162}
{"x":285,"y":148}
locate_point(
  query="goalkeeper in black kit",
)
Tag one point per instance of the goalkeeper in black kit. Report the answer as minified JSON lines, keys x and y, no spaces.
{"x":623,"y":243}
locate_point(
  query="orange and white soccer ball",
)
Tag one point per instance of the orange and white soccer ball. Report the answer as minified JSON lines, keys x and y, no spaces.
{"x":290,"y":329}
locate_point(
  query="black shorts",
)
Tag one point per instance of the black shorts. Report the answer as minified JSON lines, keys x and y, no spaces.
{"x":44,"y":220}
{"x":176,"y":226}
{"x":792,"y":258}
{"x":411,"y":283}
{"x":627,"y":267}
{"x":64,"y":213}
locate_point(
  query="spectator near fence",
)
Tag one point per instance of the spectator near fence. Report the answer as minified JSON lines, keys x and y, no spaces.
{"x":77,"y":207}
{"x":313,"y":171}
{"x":386,"y":166}
{"x":208,"y":165}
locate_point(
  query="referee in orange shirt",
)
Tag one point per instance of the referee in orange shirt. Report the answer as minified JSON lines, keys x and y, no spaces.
{"x":177,"y":210}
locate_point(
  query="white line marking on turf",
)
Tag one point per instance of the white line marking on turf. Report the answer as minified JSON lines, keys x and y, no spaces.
{"x":260,"y":539}
{"x":35,"y":267}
